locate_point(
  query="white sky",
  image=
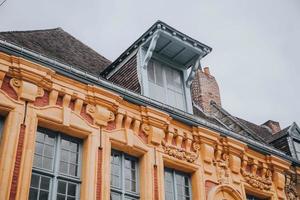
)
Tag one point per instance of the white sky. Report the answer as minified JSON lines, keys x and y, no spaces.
{"x":255,"y":56}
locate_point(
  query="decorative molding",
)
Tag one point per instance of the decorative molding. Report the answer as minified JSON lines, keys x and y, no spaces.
{"x":25,"y":90}
{"x":181,"y":153}
{"x":290,"y":187}
{"x":262,"y":181}
{"x":150,"y":49}
{"x":100,"y":114}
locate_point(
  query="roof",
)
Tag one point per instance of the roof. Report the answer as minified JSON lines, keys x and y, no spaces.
{"x":171,"y":51}
{"x":280,"y":134}
{"x":59,"y":45}
{"x":257,"y":129}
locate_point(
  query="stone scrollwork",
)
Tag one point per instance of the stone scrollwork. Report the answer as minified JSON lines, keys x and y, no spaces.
{"x":101,"y":115}
{"x":222,"y":166}
{"x":26,"y":90}
{"x":290,"y":187}
{"x":181,"y":153}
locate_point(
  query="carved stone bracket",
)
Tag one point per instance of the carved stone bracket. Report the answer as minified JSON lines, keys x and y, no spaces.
{"x":100,"y":114}
{"x":26,"y":90}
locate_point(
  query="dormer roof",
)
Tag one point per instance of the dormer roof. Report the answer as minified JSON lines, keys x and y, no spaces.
{"x":171,"y":44}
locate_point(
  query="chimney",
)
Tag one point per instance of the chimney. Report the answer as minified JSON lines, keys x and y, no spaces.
{"x":205,"y":89}
{"x":274,"y":126}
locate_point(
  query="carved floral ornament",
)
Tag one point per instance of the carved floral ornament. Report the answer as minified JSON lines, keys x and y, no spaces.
{"x":182,"y":153}
{"x":261,"y":181}
{"x":290,"y":187}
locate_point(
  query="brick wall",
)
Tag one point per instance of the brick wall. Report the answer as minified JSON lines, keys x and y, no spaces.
{"x":205,"y":89}
{"x":127,"y":76}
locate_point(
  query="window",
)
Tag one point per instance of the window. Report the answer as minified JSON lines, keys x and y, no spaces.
{"x":297,"y":148}
{"x":251,"y":197}
{"x":165,"y":84}
{"x":177,"y":185}
{"x":124,"y":177}
{"x":56,"y":167}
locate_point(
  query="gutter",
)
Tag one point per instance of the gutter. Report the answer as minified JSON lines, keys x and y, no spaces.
{"x":130,"y":96}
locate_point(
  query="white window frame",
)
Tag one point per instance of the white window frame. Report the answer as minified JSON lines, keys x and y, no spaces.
{"x":174,"y":186}
{"x":122,"y":191}
{"x":143,"y":77}
{"x":54,"y":174}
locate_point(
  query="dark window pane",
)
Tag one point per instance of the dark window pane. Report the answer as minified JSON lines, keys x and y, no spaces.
{"x":45,"y":183}
{"x":60,"y":197}
{"x":43,"y":195}
{"x":71,"y":198}
{"x":33,"y":194}
{"x":71,"y":189}
{"x":35,"y":181}
{"x":61,"y":187}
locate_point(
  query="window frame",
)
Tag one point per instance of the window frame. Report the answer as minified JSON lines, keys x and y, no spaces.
{"x":122,"y":191}
{"x":174,"y":186}
{"x":165,"y":66}
{"x":297,"y":153}
{"x":54,"y":174}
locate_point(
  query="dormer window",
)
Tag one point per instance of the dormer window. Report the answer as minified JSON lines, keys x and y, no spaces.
{"x":166,"y":84}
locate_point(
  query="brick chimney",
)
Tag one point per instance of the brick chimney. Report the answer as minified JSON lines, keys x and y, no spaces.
{"x":274,"y":126}
{"x":205,"y":89}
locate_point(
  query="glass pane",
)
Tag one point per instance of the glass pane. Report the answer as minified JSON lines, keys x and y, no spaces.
{"x":159,"y":80}
{"x":45,"y":183}
{"x":71,"y":189}
{"x":43,"y":195}
{"x":65,"y":144}
{"x":37,"y":161}
{"x":73,"y":146}
{"x":297,"y":146}
{"x":63,"y":167}
{"x":47,"y":164}
{"x":71,"y":198}
{"x":40,"y":136}
{"x":74,"y":158}
{"x":39,"y":148}
{"x":115,"y":196}
{"x":35,"y":181}
{"x":33,"y":194}
{"x":49,"y":151}
{"x":50,"y":138}
{"x":150,"y":70}
{"x":61,"y":187}
{"x":64,"y":156}
{"x":60,"y":197}
{"x":72,"y":170}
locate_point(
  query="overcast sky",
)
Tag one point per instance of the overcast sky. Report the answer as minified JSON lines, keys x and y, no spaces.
{"x":255,"y":56}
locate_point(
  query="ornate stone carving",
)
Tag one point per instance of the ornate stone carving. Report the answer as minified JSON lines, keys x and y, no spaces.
{"x":26,"y":90}
{"x":100,"y":114}
{"x":181,"y":153}
{"x":262,"y":182}
{"x":290,"y":187}
{"x":222,"y":167}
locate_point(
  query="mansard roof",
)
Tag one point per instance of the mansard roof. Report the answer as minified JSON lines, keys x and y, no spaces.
{"x":59,"y":45}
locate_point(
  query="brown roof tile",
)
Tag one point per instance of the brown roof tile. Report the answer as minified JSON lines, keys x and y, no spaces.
{"x":60,"y":45}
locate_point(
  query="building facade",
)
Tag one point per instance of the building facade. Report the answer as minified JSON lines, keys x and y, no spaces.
{"x":149,"y":125}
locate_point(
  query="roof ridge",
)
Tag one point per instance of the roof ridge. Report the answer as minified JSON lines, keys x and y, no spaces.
{"x":35,"y":30}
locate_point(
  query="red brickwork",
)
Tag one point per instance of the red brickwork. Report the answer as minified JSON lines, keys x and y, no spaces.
{"x":127,"y":76}
{"x":8,"y":89}
{"x":14,"y":185}
{"x":42,"y":101}
{"x":205,"y":89}
{"x":99,"y":175}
